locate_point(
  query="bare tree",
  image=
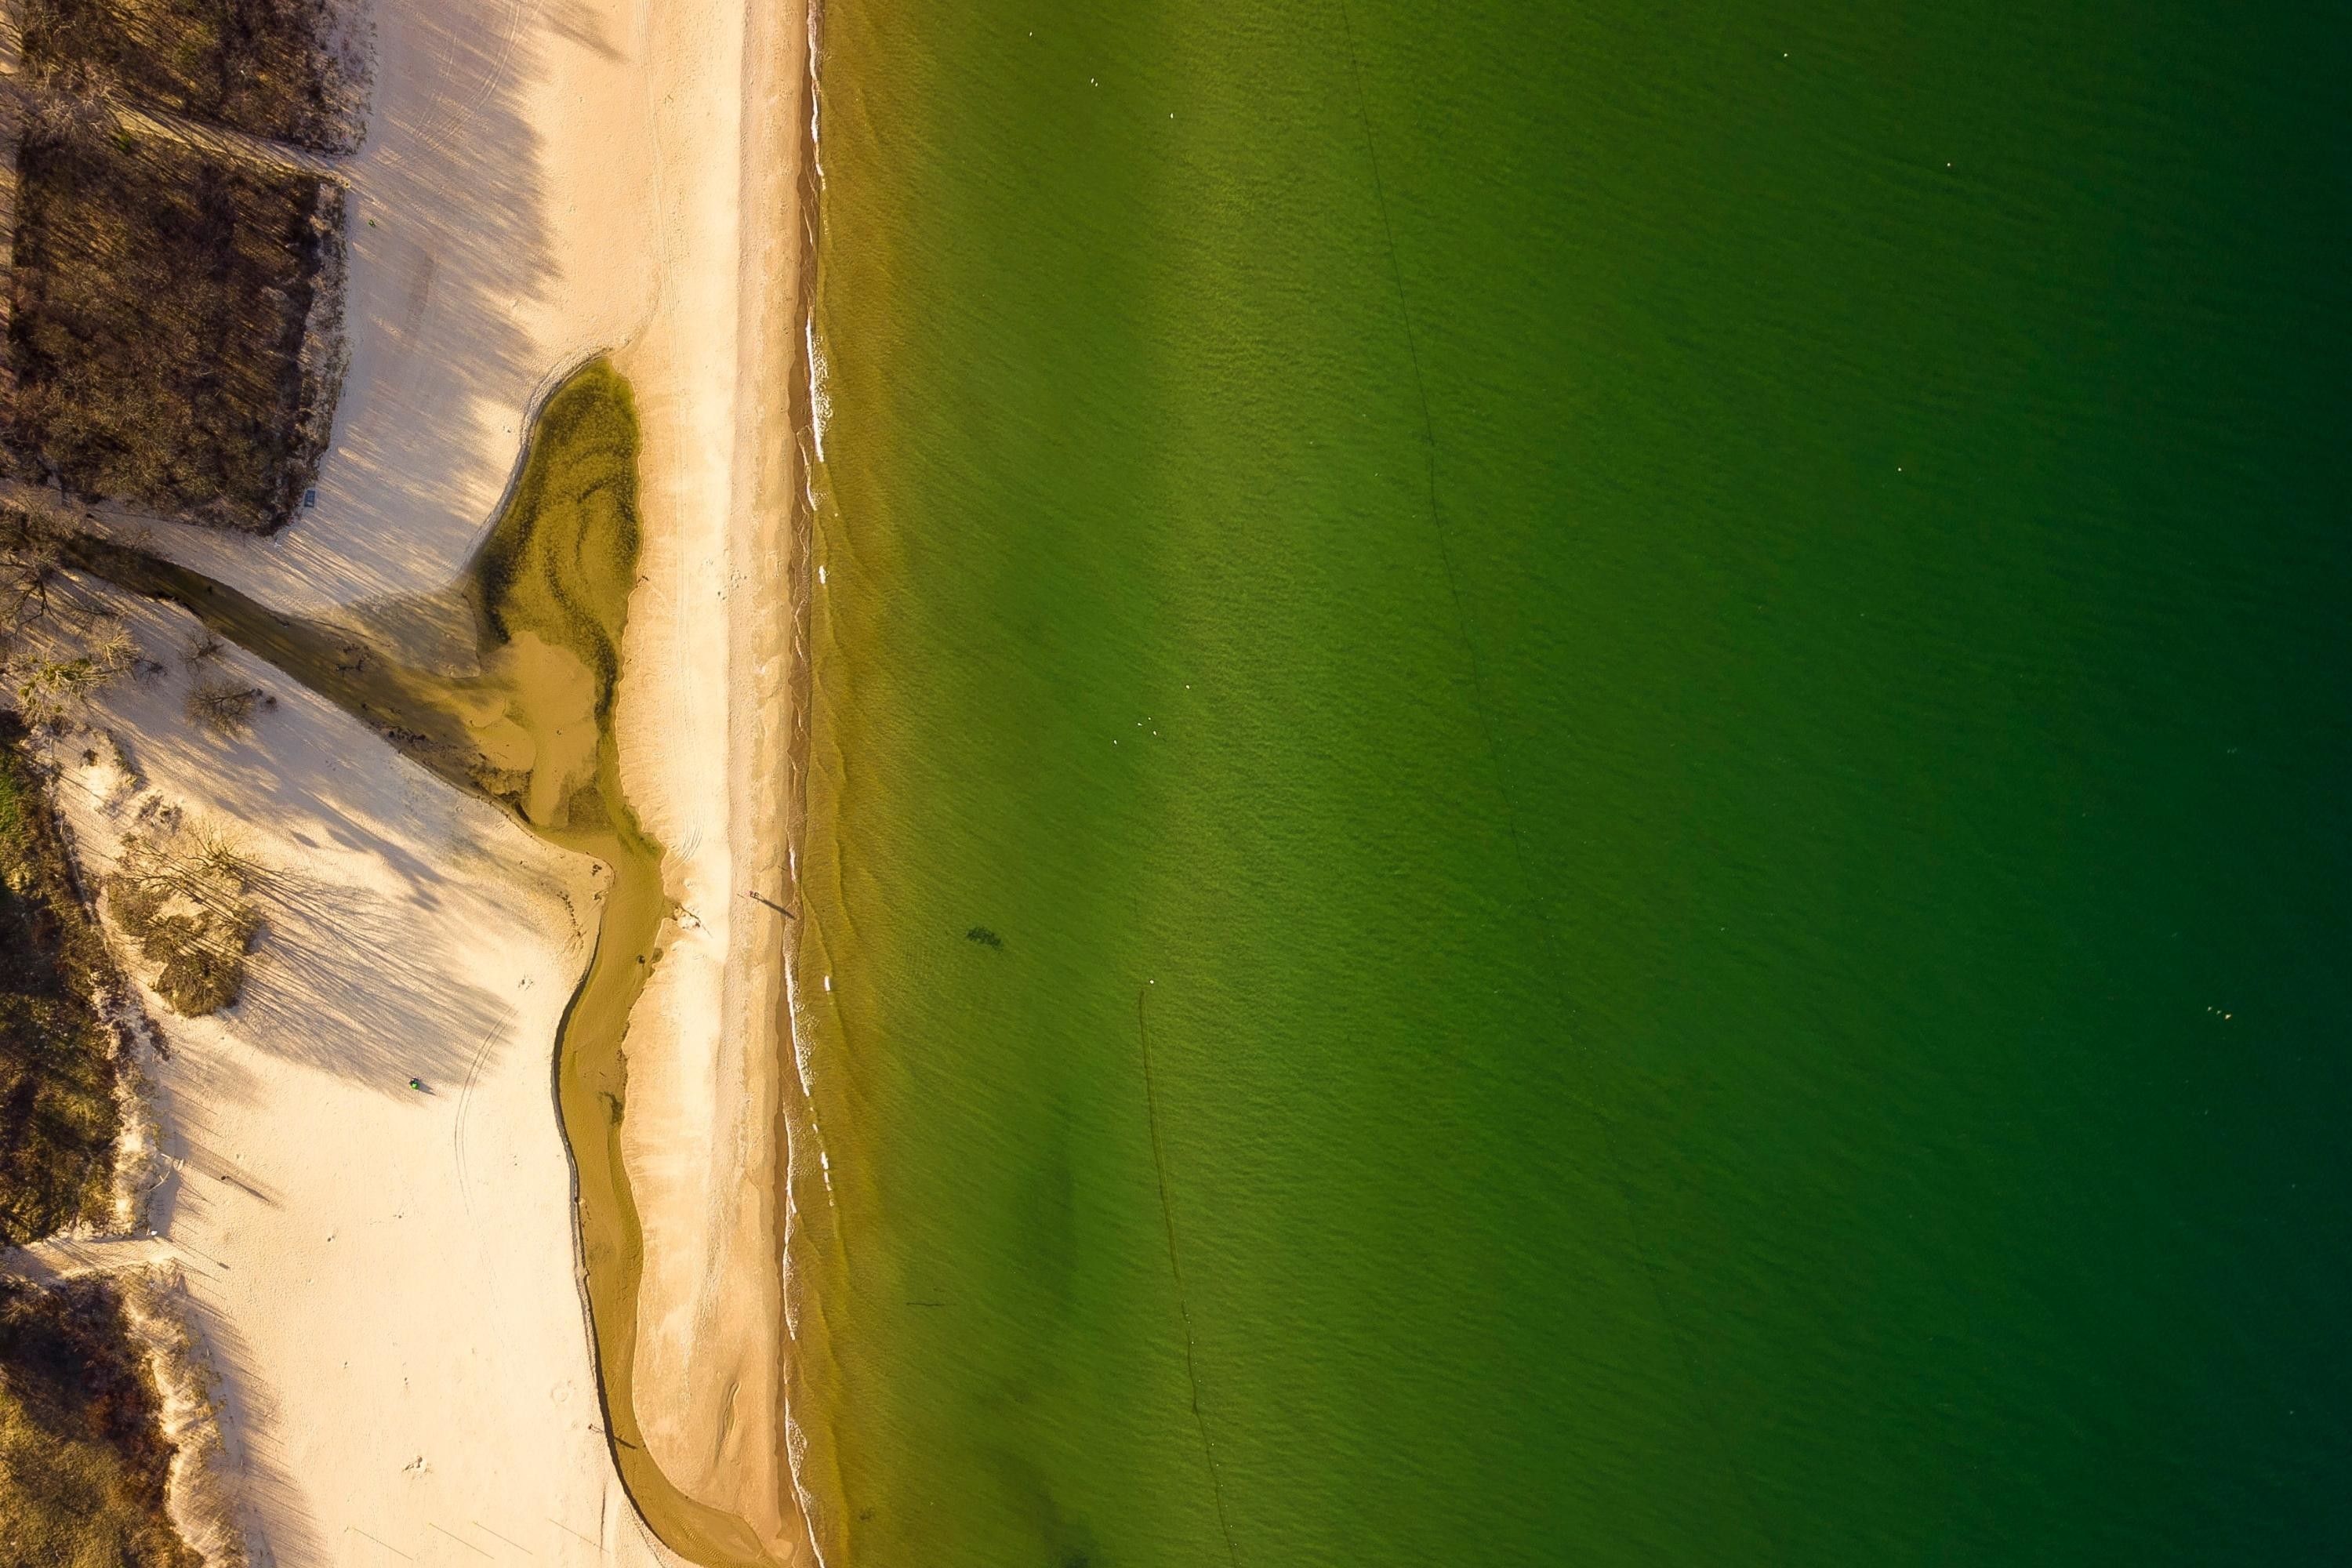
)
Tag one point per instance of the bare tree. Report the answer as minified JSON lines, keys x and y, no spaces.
{"x":182,"y":891}
{"x":59,"y":643}
{"x":225,"y":707}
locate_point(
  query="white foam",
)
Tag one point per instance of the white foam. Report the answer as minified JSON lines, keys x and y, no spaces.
{"x":816,"y":99}
{"x":820,"y":398}
{"x":820,"y":414}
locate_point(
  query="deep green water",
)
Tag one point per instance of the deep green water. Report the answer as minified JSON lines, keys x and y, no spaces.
{"x":1695,"y":660}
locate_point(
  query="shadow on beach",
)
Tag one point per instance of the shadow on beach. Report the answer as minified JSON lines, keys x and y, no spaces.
{"x":447,"y":240}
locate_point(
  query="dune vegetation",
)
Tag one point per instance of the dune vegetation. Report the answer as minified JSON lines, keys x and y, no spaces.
{"x":58,"y":1119}
{"x":272,"y":67}
{"x":160,"y":302}
{"x":84,"y":1467}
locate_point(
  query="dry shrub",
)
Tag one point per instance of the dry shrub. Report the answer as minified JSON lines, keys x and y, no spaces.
{"x":160,"y":298}
{"x":284,"y":69}
{"x":59,"y":643}
{"x":51,"y":685}
{"x":59,"y":1117}
{"x":84,"y":1463}
{"x":183,"y":893}
{"x":225,"y":706}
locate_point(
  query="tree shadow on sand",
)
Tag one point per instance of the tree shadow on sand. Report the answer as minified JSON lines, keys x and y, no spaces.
{"x":447,"y":239}
{"x":340,"y":983}
{"x":267,"y":1507}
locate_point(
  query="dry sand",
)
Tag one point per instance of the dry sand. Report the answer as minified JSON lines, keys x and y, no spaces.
{"x":543,"y":179}
{"x":381,"y":1279}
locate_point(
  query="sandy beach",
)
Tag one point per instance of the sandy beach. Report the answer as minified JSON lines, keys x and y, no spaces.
{"x":381,"y":1279}
{"x":388,"y":1279}
{"x":708,"y":656}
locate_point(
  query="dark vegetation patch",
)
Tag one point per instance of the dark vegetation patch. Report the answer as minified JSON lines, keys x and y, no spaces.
{"x":160,"y":300}
{"x":57,"y":1114}
{"x":58,"y":643}
{"x":181,"y":893}
{"x":268,"y":67}
{"x":84,"y":1465}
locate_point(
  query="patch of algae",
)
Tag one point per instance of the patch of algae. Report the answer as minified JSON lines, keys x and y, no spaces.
{"x":525,"y":716}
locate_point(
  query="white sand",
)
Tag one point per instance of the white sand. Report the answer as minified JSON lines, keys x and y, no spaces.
{"x":541,"y":181}
{"x":384,"y":1278}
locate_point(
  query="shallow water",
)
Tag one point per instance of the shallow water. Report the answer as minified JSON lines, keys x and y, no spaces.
{"x":1650,"y":712}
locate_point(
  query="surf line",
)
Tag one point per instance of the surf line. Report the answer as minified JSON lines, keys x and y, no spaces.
{"x":1176,"y":1272}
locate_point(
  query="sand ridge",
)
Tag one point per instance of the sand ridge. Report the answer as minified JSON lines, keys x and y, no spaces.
{"x":706,"y":656}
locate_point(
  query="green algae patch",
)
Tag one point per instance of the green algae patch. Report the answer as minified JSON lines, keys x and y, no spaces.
{"x":551,"y":586}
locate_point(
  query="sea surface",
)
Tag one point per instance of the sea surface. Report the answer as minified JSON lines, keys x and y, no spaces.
{"x":1580,"y":785}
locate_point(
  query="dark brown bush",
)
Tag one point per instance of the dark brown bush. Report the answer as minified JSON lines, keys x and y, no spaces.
{"x":270,"y":67}
{"x":181,"y":894}
{"x":58,"y":1120}
{"x":84,"y":1465}
{"x":160,"y":300}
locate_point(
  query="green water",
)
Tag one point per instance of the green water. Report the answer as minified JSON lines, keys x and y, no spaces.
{"x":1692,"y":657}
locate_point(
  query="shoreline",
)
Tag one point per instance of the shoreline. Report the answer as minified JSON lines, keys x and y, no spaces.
{"x":708,"y":1120}
{"x":803,"y":1335}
